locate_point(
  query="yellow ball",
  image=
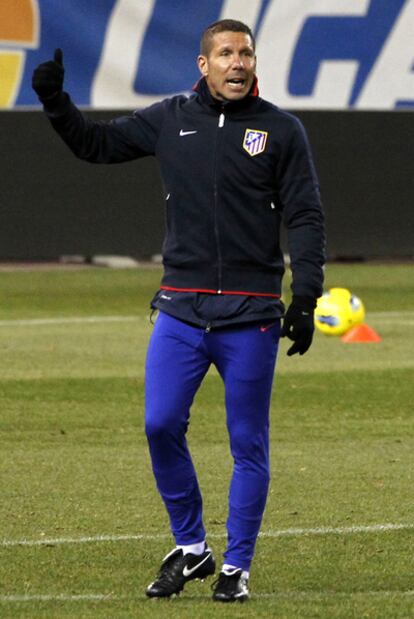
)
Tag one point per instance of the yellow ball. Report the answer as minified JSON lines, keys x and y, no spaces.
{"x":337,"y":311}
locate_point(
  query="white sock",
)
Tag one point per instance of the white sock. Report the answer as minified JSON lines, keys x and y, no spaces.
{"x":229,"y":569}
{"x":194,"y":549}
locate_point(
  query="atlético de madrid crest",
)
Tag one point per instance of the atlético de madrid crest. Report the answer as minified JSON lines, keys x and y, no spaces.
{"x":254,"y":141}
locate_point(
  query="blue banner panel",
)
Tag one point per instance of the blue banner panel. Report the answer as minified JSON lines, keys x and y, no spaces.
{"x":313,"y":54}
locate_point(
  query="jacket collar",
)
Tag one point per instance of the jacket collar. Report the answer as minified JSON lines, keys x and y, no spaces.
{"x":206,"y":97}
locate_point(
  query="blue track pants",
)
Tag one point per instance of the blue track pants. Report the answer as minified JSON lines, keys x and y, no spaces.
{"x":178,"y":358}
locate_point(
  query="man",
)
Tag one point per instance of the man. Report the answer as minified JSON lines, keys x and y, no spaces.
{"x":233,"y":167}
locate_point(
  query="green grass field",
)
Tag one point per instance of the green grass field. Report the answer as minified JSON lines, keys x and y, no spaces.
{"x":82,"y":529}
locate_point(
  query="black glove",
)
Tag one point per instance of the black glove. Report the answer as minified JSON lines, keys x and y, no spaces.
{"x":298,"y":324}
{"x":47,"y":79}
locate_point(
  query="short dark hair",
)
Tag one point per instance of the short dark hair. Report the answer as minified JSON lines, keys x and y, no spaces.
{"x":224,"y":25}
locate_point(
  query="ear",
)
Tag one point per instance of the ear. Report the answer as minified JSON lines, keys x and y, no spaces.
{"x":202,"y":63}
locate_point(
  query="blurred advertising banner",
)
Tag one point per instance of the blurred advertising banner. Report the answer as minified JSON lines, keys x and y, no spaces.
{"x":312,"y":54}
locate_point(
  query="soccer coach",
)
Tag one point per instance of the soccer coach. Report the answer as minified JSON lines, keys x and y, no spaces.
{"x":234,"y":166}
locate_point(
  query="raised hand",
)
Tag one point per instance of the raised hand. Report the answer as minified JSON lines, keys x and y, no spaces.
{"x":47,"y":79}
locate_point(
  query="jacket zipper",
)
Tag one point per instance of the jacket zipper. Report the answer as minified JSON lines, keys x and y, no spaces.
{"x":216,"y":230}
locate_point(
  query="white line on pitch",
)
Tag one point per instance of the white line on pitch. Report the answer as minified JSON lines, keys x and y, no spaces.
{"x":60,"y":597}
{"x":374,"y":528}
{"x":83,"y":540}
{"x":23,"y":322}
{"x":102,"y":597}
{"x":68,"y":320}
{"x":391,"y":314}
{"x":333,"y":594}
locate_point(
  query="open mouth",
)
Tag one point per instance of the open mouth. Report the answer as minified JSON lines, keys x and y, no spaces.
{"x":236,"y":81}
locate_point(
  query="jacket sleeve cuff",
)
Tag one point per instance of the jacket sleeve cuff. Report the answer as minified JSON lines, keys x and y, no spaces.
{"x":305,"y":302}
{"x":57,"y":105}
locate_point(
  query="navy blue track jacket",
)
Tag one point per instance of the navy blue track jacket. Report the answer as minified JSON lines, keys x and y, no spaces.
{"x":232,"y":172}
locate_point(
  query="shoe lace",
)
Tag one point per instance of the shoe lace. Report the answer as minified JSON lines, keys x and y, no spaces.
{"x":167,"y":573}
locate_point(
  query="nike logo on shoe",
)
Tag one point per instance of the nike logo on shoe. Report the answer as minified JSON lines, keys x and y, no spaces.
{"x":188,"y":571}
{"x":182,"y":133}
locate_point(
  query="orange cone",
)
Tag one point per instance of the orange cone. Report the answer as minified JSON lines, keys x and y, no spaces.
{"x":360,"y":333}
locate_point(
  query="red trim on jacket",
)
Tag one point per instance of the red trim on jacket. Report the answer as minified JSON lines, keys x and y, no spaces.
{"x":247,"y":294}
{"x":254,"y":91}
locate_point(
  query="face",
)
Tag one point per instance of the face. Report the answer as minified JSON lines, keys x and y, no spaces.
{"x":230,"y":67}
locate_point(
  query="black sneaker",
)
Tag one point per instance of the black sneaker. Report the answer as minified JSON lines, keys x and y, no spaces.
{"x":177,"y":569}
{"x":231,"y":587}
